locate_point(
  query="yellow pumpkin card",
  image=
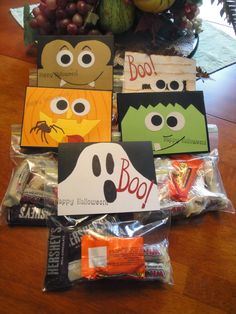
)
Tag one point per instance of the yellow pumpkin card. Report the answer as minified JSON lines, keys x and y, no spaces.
{"x":57,"y":115}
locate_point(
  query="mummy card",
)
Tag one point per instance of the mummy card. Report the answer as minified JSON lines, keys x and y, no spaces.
{"x":156,"y":73}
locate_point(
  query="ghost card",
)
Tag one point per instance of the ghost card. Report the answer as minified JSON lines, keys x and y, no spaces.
{"x":58,"y":115}
{"x":174,"y":122}
{"x":106,"y":178}
{"x":155,"y":73}
{"x":83,"y":62}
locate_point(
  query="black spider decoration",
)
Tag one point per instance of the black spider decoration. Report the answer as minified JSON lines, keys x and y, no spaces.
{"x":41,"y":126}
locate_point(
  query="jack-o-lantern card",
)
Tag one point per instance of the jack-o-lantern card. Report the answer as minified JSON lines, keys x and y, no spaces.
{"x":83,"y":62}
{"x":156,"y":73}
{"x":96,"y":178}
{"x":174,"y":122}
{"x":57,"y":115}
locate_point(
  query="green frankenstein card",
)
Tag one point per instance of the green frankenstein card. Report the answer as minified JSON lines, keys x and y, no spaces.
{"x":175,"y":122}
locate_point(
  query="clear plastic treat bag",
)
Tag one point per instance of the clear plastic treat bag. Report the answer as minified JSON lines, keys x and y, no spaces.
{"x":191,"y":184}
{"x":24,"y":200}
{"x":117,"y":246}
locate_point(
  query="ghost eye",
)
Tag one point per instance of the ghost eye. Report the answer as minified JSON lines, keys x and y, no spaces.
{"x":64,"y":58}
{"x":59,"y":105}
{"x":86,"y":59}
{"x":80,"y":107}
{"x":175,"y":121}
{"x":154,"y":121}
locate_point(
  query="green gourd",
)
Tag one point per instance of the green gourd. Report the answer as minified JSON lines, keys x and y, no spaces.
{"x":116,"y":16}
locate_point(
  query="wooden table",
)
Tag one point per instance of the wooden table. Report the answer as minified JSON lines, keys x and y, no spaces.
{"x":203,"y":250}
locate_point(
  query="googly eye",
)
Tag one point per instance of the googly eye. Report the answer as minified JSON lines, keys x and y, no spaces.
{"x":59,"y":105}
{"x":175,"y":121}
{"x":159,"y":85}
{"x":80,"y":107}
{"x":64,"y":58}
{"x":154,"y":121}
{"x":86,"y":59}
{"x":176,"y":86}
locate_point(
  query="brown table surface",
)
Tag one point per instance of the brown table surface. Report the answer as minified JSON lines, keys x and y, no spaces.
{"x":202,"y":250}
{"x":220,"y":94}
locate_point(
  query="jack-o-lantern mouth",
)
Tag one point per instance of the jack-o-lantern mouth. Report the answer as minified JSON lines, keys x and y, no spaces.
{"x":74,"y":131}
{"x":64,"y":82}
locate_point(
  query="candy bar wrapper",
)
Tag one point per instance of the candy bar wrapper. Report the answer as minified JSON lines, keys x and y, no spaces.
{"x":28,"y":214}
{"x":191,"y":184}
{"x":27,"y":201}
{"x":97,"y":247}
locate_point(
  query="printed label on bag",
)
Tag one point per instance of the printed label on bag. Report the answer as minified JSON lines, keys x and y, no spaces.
{"x":110,"y":256}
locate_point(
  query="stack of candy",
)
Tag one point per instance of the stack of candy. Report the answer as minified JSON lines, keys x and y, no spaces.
{"x":25,"y":199}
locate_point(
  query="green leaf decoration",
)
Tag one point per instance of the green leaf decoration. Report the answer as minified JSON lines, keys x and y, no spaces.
{"x":228,"y":10}
{"x":29,"y":33}
{"x":92,"y":18}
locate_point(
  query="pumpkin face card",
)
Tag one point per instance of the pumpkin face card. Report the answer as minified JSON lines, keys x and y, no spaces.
{"x":96,"y":178}
{"x":174,"y":122}
{"x":155,"y":73}
{"x":83,"y":62}
{"x":56,"y":115}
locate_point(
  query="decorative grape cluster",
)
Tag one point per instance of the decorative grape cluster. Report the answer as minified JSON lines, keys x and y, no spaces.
{"x":64,"y":17}
{"x":79,"y":17}
{"x":185,"y":14}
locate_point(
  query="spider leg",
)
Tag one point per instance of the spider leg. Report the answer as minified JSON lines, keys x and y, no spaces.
{"x":33,"y":129}
{"x":54,"y":127}
{"x":37,"y":126}
{"x":44,"y":135}
{"x":41,"y":135}
{"x":40,"y":122}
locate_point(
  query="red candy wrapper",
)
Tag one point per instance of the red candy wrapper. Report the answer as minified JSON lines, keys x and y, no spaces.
{"x":183,"y":177}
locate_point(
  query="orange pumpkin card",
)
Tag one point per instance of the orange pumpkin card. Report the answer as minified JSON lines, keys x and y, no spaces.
{"x":57,"y":115}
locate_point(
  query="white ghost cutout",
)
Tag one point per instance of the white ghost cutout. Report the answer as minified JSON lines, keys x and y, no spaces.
{"x":105,"y":181}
